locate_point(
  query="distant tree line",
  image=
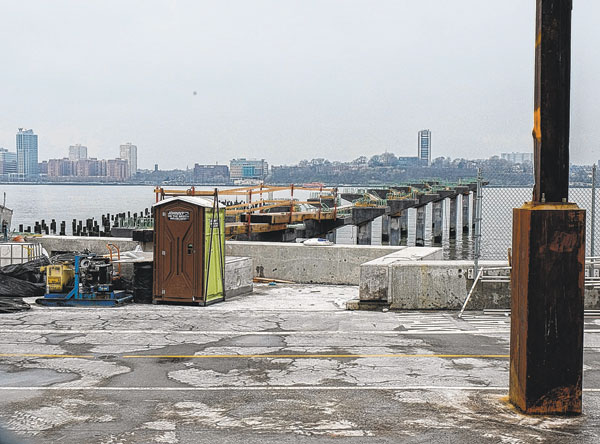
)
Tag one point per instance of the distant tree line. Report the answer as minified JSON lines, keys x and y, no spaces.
{"x":387,"y":168}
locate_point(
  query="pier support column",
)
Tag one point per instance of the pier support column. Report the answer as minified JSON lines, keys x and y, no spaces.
{"x":459,"y":216}
{"x":411,"y":216}
{"x":404,"y":228}
{"x":437,"y":222}
{"x":364,"y":234}
{"x":394,"y":231}
{"x":471,"y":212}
{"x":420,"y":227}
{"x":428,"y":236}
{"x":466,"y":213}
{"x":452,"y":220}
{"x":385,"y":230}
{"x":446,"y":206}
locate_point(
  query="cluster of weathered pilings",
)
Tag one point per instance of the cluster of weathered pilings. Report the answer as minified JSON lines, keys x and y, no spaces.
{"x":88,"y":227}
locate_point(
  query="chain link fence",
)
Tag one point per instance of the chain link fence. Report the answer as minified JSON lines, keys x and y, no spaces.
{"x":498,"y":201}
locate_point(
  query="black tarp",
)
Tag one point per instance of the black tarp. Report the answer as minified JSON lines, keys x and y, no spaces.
{"x":23,"y":280}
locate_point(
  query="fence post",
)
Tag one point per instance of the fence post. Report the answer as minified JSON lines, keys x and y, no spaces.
{"x":478,"y":213}
{"x":593,"y":221}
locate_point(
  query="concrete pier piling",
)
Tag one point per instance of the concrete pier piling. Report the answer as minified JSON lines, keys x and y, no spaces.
{"x":411,"y":222}
{"x":364,"y":234}
{"x":385,"y":230}
{"x":437,"y":221}
{"x":459,"y":215}
{"x":466,"y":221}
{"x":452,"y":218}
{"x":428,"y":237}
{"x":446,"y":218}
{"x":420,"y":227}
{"x":395,"y":231}
{"x":404,"y":227}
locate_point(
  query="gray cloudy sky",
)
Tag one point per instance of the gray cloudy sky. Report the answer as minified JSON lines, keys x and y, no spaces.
{"x":284,"y":80}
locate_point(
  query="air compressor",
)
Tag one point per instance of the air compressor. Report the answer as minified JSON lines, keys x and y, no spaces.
{"x":87,"y":280}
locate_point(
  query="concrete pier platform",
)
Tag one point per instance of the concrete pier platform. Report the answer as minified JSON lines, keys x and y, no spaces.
{"x":287,"y":364}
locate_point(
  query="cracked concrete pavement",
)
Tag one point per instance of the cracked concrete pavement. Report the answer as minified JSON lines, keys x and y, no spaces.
{"x":285,"y":364}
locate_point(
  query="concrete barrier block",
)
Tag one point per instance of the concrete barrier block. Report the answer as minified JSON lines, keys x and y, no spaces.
{"x":334,"y":264}
{"x":375,"y":275}
{"x":421,"y":286}
{"x":374,"y":281}
{"x":238,"y":276}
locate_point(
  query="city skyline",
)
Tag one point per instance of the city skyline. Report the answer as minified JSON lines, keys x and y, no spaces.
{"x":285,"y":80}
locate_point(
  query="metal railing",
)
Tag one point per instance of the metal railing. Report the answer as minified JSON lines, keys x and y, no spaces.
{"x":19,"y":252}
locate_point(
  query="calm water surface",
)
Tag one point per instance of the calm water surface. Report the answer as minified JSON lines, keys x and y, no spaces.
{"x":32,"y":203}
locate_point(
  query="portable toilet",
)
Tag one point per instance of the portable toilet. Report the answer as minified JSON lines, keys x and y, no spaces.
{"x":189,"y":250}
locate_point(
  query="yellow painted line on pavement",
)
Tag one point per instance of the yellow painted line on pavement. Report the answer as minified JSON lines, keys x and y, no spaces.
{"x":39,"y":355}
{"x":387,"y":355}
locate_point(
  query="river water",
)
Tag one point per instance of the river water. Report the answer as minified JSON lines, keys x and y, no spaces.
{"x":32,"y":203}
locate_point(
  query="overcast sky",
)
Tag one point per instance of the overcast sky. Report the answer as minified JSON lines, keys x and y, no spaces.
{"x":284,"y":80}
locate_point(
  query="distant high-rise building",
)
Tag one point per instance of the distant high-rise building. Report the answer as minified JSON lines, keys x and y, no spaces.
{"x":8,"y":162}
{"x":128,"y":152}
{"x":424,"y":147}
{"x":77,"y":152}
{"x":248,"y":169}
{"x":517,"y":157}
{"x":27,"y":153}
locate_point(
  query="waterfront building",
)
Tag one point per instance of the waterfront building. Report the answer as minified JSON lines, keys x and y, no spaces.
{"x":211,"y":173}
{"x":8,"y":162}
{"x":517,"y":157}
{"x":118,"y":169}
{"x":27,"y":153}
{"x":424,"y":147}
{"x":128,"y":152}
{"x":112,"y":170}
{"x":60,"y":168}
{"x":77,"y":152}
{"x":87,"y":167}
{"x":248,"y":169}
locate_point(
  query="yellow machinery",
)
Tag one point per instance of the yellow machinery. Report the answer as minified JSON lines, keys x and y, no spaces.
{"x":59,"y":277}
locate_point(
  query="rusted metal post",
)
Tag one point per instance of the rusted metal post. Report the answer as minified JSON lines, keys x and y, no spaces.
{"x":547,"y":280}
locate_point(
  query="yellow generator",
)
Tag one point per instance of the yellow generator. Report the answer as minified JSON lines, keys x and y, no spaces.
{"x":59,"y":277}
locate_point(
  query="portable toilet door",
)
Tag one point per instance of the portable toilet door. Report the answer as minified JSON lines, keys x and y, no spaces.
{"x":189,"y":251}
{"x":214,"y":255}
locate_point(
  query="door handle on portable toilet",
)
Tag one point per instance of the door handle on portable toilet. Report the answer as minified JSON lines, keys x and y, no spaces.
{"x":190,"y":248}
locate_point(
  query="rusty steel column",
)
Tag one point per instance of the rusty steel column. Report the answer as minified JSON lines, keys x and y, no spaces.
{"x":547,"y":280}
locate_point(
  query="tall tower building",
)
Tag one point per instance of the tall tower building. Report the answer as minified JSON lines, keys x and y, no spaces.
{"x":128,"y":152}
{"x":27,"y":153}
{"x":77,"y":152}
{"x":424,"y":147}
